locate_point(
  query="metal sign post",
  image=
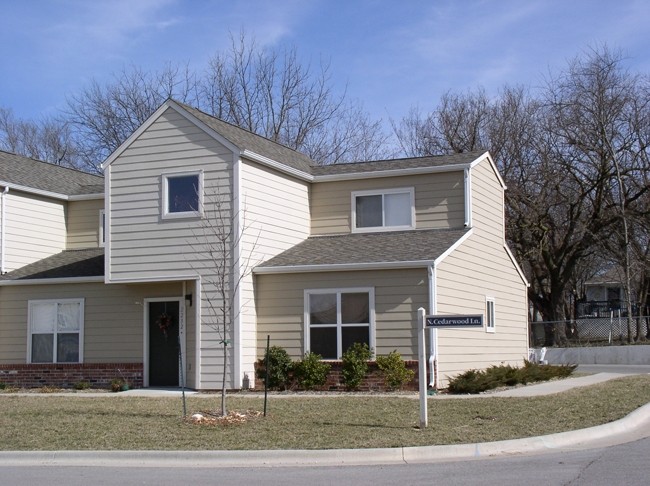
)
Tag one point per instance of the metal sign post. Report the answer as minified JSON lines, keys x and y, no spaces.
{"x":422,"y":367}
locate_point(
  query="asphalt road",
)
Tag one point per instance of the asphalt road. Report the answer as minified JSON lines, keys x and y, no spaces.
{"x":625,"y":464}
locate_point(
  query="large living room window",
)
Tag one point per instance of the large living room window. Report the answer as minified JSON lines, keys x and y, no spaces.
{"x":336,"y":319}
{"x":182,"y":194}
{"x":55,"y":331}
{"x":387,"y":209}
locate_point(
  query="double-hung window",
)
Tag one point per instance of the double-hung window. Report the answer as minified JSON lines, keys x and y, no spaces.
{"x":382,"y":210}
{"x":182,"y":194}
{"x":489,"y":314}
{"x":55,"y":331}
{"x":336,"y":319}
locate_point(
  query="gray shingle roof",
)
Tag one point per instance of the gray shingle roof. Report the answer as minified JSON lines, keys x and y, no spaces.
{"x":23,"y":171}
{"x":88,"y":262}
{"x":367,"y":248}
{"x":397,"y":164}
{"x":246,"y":140}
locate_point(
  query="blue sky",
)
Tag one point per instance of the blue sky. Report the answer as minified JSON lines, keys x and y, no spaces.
{"x":389,"y":54}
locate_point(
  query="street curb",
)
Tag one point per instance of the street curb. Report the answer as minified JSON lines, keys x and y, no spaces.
{"x":634,"y":426}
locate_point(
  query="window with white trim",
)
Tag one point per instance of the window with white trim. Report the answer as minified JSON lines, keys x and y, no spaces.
{"x":182,"y":194}
{"x":489,"y":314}
{"x":382,"y":210}
{"x":55,"y":331}
{"x":336,"y":319}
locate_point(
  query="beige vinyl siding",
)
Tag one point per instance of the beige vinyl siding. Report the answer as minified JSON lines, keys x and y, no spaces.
{"x":35,"y":228}
{"x":276,"y":217}
{"x":83,"y":223}
{"x":479,"y":268}
{"x":190,"y":360}
{"x":439,"y":201}
{"x":398,"y":295}
{"x":113,"y":318}
{"x":143,"y":245}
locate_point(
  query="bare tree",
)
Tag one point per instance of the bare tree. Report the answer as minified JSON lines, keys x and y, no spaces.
{"x":558,"y":153}
{"x":224,"y":266}
{"x":271,"y":93}
{"x":49,"y":140}
{"x":104,"y":116}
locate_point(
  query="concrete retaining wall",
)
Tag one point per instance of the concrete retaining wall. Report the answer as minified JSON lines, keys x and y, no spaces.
{"x":623,"y":355}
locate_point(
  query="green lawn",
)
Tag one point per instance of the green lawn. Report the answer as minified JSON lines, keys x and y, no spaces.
{"x":43,"y":422}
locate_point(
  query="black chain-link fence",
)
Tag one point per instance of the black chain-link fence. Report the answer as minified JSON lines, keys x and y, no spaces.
{"x":591,"y":331}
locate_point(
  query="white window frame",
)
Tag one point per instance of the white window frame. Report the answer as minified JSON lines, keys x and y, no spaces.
{"x":102,"y":228}
{"x":165,"y":214}
{"x":490,"y":314}
{"x":383,"y":192}
{"x":31,"y":303}
{"x":338,"y":291}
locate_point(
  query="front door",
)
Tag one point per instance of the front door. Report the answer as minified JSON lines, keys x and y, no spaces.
{"x":163,"y":343}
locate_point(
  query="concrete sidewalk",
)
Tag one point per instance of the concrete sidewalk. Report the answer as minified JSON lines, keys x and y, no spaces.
{"x":633,"y":427}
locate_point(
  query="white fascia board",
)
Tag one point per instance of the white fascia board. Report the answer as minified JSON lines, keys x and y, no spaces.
{"x":390,"y":173}
{"x":107,"y":226}
{"x":342,"y":267}
{"x":86,"y":197}
{"x":52,"y":281}
{"x":453,"y":247}
{"x":255,"y":157}
{"x":172,"y":278}
{"x":514,"y":262}
{"x":38,"y":192}
{"x":217,"y":136}
{"x":148,"y":122}
{"x":487,"y":156}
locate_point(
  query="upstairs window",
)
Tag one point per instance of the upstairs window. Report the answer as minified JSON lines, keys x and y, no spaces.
{"x":55,"y":331}
{"x":182,"y":195}
{"x":389,"y":209}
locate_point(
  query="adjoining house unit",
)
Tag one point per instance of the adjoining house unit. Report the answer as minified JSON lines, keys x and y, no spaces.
{"x":109,"y":281}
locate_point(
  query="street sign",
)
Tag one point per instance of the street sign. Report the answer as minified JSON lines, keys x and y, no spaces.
{"x":455,"y":321}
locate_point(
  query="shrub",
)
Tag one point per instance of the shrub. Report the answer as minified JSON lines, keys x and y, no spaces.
{"x":81,"y":385}
{"x":117,"y":384}
{"x":394,"y":370}
{"x":354,"y":365}
{"x":2,"y":386}
{"x":474,"y":381}
{"x":311,"y":372}
{"x":279,"y":364}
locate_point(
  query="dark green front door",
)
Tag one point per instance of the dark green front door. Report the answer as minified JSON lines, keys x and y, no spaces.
{"x":163,"y":343}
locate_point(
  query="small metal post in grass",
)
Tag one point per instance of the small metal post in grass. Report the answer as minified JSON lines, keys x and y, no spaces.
{"x":266,"y":371}
{"x":180,"y":364}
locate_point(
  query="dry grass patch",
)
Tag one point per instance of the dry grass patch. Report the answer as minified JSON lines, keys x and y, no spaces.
{"x":326,"y":422}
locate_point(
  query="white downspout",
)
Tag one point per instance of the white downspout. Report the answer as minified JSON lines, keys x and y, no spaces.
{"x":468,"y":198}
{"x":3,"y":227}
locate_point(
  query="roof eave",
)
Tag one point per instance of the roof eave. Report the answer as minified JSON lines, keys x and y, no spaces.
{"x":32,"y":190}
{"x":51,"y":281}
{"x":342,"y":267}
{"x":255,"y":157}
{"x":391,"y":172}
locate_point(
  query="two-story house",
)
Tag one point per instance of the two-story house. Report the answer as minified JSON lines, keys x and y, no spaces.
{"x":201,"y":216}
